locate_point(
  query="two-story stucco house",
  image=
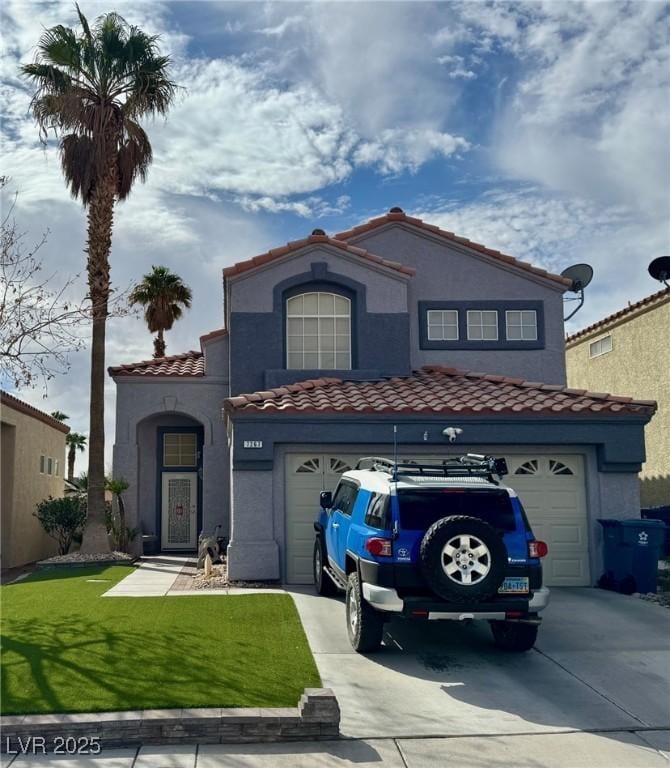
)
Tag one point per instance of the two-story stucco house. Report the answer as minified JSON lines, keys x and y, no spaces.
{"x":330,"y":342}
{"x":628,"y":351}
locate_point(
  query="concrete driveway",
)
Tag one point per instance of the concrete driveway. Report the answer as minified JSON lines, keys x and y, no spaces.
{"x":602,"y":663}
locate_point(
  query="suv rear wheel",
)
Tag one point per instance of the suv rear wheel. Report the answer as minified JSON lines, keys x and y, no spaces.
{"x":514,"y":635}
{"x":463,"y":559}
{"x":322,"y":581}
{"x":364,"y":625}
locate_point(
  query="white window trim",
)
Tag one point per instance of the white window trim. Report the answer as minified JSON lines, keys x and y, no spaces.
{"x":480,"y":312}
{"x":521,"y":326}
{"x":600,"y":341}
{"x":442,"y":324}
{"x":318,"y":316}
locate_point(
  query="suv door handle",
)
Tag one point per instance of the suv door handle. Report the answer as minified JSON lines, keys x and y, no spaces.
{"x":336,"y":525}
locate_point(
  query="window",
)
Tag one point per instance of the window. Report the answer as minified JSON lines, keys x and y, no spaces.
{"x":442,"y":324}
{"x":57,"y":468}
{"x":420,"y":509}
{"x":600,"y":347}
{"x":43,"y":465}
{"x":482,"y":325}
{"x":180,"y":449}
{"x":318,"y":332}
{"x":345,"y":496}
{"x":50,"y":466}
{"x":521,"y":325}
{"x":377,"y":515}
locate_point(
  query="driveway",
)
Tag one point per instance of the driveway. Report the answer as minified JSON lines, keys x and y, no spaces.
{"x":602,"y":663}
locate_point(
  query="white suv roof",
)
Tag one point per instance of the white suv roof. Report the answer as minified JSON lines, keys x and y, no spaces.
{"x":381,"y":482}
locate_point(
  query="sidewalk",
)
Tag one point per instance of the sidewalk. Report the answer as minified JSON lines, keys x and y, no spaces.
{"x":622,"y":749}
{"x":152,"y":578}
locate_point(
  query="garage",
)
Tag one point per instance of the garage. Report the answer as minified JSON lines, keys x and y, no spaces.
{"x":551,"y":487}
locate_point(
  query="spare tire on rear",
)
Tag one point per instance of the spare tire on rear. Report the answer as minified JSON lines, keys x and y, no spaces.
{"x":463,"y":559}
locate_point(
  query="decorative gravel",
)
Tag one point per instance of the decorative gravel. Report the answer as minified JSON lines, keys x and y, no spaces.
{"x":77,"y":558}
{"x":192,"y":577}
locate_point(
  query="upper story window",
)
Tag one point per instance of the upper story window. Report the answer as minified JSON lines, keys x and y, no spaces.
{"x":482,"y":325}
{"x":521,"y":325}
{"x":442,"y":324}
{"x":600,"y":347}
{"x":318,"y":332}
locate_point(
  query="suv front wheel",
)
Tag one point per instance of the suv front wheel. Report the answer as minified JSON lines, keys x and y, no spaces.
{"x":364,"y":625}
{"x":514,"y":635}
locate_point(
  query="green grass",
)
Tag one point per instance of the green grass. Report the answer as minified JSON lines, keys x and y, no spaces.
{"x":67,"y":649}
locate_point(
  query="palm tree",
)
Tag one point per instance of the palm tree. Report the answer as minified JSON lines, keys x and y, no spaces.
{"x":75,"y":442}
{"x":117,"y":486}
{"x":92,"y":86}
{"x":59,"y":415}
{"x":162,"y":294}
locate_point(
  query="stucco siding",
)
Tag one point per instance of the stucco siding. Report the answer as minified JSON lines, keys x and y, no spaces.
{"x":448,"y":273}
{"x":253,"y":291}
{"x":24,"y":439}
{"x":142,"y":407}
{"x":638,"y":366}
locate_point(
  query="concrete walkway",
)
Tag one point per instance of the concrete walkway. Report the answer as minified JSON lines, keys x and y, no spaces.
{"x":645,"y":749}
{"x":152,"y":578}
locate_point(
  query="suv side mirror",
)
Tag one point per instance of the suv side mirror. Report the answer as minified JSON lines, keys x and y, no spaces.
{"x":326,"y":499}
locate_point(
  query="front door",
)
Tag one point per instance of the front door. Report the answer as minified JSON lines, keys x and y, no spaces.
{"x":180,"y":510}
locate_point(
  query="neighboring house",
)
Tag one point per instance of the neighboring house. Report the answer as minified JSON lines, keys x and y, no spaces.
{"x":629,"y":352}
{"x":329,"y":343}
{"x":33,"y":460}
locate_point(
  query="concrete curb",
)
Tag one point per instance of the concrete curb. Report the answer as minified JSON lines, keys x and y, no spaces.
{"x":316,"y":717}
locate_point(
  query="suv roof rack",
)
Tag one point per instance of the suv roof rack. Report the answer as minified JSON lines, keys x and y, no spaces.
{"x":470,"y":465}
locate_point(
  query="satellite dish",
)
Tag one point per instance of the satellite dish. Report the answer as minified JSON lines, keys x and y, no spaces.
{"x":659,"y":269}
{"x":581,"y":275}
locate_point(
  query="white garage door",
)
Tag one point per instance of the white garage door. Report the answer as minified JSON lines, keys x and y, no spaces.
{"x":551,"y":488}
{"x":306,"y":476}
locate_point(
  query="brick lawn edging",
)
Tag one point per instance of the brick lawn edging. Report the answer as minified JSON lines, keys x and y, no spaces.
{"x":317,"y":716}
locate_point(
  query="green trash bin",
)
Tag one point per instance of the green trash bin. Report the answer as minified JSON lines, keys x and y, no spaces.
{"x":632,"y":551}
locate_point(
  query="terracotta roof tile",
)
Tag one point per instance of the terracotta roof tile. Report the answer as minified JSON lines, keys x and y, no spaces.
{"x":399,"y":216}
{"x":213,"y":335}
{"x":295,"y":245}
{"x":659,"y":296}
{"x":188,"y":364}
{"x":435,"y":389}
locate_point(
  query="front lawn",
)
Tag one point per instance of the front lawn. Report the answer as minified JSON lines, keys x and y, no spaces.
{"x":67,"y":649}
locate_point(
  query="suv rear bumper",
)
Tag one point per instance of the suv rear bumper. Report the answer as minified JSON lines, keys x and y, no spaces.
{"x":387,"y":599}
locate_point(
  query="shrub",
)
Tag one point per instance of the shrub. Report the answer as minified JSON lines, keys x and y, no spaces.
{"x":62,"y":519}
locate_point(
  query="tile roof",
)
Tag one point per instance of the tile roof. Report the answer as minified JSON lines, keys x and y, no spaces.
{"x":434,"y":390}
{"x":322,"y":239}
{"x":9,"y":401}
{"x":398,"y":216}
{"x":188,"y":364}
{"x":658,"y":297}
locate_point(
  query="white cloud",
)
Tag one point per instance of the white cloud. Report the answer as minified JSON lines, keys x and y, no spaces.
{"x":397,"y":150}
{"x":290,"y":22}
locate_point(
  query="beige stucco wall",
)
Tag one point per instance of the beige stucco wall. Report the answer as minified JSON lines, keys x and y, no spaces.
{"x":638,"y":366}
{"x":24,"y":439}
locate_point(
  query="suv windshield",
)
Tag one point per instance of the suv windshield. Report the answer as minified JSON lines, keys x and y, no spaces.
{"x":420,"y":508}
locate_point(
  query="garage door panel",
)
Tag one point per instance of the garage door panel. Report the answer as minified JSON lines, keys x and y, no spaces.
{"x":306,"y":476}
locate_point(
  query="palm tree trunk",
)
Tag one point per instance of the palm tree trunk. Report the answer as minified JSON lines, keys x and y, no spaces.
{"x":71,"y":456}
{"x":159,"y":345}
{"x":100,"y":219}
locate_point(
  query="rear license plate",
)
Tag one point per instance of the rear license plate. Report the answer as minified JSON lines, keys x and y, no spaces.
{"x":515,"y":585}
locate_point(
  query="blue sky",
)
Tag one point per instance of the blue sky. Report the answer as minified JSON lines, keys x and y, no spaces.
{"x":539,"y":129}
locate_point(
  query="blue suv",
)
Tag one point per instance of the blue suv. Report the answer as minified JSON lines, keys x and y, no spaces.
{"x":439,"y":540}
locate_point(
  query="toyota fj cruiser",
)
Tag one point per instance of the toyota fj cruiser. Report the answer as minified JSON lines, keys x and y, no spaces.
{"x":430,"y":541}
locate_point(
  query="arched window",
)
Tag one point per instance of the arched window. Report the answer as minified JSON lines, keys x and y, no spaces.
{"x":318,"y":332}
